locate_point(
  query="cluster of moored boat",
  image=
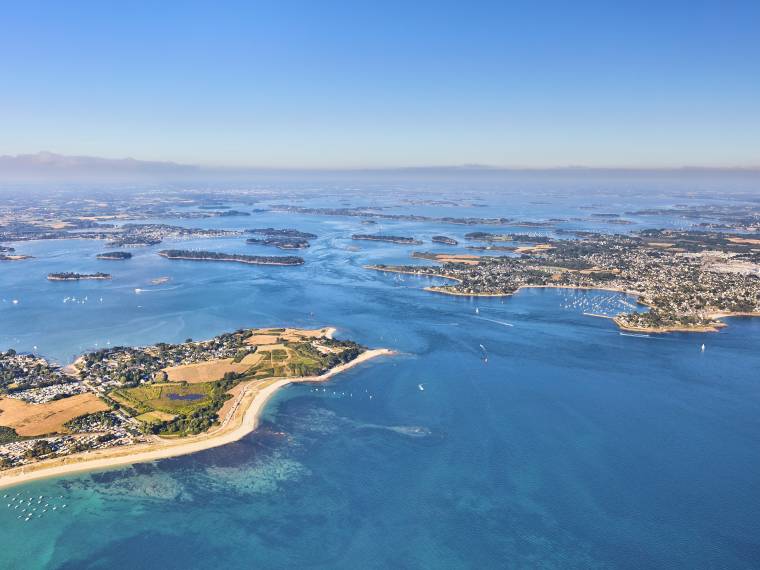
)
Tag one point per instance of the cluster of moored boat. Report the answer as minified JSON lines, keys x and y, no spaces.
{"x":32,"y":507}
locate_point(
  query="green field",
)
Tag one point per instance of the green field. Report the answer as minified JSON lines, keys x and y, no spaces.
{"x":155,"y":417}
{"x":181,"y":408}
{"x":287,"y":362}
{"x":171,"y":397}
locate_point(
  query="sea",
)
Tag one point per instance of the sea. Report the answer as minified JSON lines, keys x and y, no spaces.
{"x":513,"y":432}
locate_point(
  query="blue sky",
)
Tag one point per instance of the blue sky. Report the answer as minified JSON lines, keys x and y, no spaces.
{"x":383,"y":84}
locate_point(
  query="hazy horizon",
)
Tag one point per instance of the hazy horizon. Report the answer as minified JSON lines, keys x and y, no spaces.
{"x":356,"y":86}
{"x":47,"y":167}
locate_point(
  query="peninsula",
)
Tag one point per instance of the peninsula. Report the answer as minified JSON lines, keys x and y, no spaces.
{"x":688,"y":279}
{"x":124,"y":405}
{"x":194,"y":255}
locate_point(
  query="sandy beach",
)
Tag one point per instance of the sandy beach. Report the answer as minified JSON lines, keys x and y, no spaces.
{"x":241,"y":419}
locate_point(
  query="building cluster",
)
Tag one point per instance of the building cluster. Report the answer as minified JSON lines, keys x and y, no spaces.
{"x":20,"y":372}
{"x":61,"y":215}
{"x":115,"y":367}
{"x":152,"y":234}
{"x":682,"y":288}
{"x":49,"y":393}
{"x":25,"y":451}
{"x":34,"y":380}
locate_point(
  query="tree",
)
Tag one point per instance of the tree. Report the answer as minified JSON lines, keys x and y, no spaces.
{"x":40,"y":448}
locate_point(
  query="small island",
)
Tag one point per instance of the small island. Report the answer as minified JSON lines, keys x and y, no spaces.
{"x":230,"y":213}
{"x":195,"y":255}
{"x":280,"y":243}
{"x":8,"y":253}
{"x":281,"y":238}
{"x":492,"y":237}
{"x":115,"y":255}
{"x":70,"y":276}
{"x":444,"y":240}
{"x":387,"y":238}
{"x":281,"y":233}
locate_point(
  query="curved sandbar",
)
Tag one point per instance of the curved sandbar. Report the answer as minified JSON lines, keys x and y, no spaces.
{"x":241,"y":420}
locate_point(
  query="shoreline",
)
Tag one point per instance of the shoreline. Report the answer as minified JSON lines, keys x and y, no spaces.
{"x":241,"y":420}
{"x":669,"y":329}
{"x":388,"y":270}
{"x":231,"y":260}
{"x":622,"y":326}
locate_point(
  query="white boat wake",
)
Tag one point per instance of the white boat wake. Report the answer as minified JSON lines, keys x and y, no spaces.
{"x":502,"y":323}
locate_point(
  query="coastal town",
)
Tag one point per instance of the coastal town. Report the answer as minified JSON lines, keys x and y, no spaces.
{"x":43,"y":402}
{"x":125,"y":396}
{"x":382,"y":285}
{"x":687,"y":279}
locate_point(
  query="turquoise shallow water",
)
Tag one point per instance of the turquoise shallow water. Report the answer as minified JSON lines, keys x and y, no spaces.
{"x":571,"y":447}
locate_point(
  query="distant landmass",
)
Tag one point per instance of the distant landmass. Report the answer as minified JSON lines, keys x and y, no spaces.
{"x":52,"y":166}
{"x":45,"y":165}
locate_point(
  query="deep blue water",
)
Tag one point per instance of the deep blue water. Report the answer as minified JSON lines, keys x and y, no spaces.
{"x":185,"y":396}
{"x":571,"y":447}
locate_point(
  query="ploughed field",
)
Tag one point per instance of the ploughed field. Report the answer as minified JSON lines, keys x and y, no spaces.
{"x":42,"y":419}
